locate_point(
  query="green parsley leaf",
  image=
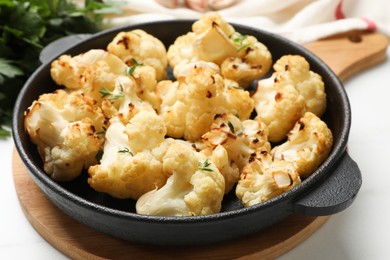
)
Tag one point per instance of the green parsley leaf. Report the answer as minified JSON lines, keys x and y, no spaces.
{"x":8,"y":69}
{"x":26,"y":26}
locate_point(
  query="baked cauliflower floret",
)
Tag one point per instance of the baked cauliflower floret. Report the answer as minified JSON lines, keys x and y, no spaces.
{"x":181,"y":52}
{"x":65,"y":127}
{"x":220,"y":157}
{"x":130,"y":165}
{"x":263,"y":179}
{"x":252,"y":62}
{"x":212,"y":42}
{"x":291,"y":91}
{"x":296,"y":70}
{"x":242,"y":58}
{"x":122,"y":102}
{"x":145,"y":82}
{"x":195,"y":186}
{"x":145,"y":131}
{"x":240,"y":139}
{"x":188,"y":106}
{"x":140,"y":46}
{"x":308,"y":145}
{"x":278,"y":105}
{"x":88,"y":72}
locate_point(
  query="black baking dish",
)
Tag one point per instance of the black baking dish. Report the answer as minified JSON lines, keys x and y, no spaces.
{"x":330,"y":189}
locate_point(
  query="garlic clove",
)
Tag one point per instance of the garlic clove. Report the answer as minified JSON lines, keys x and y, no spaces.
{"x":214,"y":45}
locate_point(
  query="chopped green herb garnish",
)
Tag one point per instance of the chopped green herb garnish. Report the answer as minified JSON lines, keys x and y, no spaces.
{"x":205,"y":166}
{"x":231,"y":127}
{"x":125,"y":150}
{"x":130,"y":70}
{"x":238,"y":41}
{"x":111,"y":95}
{"x":102,"y":132}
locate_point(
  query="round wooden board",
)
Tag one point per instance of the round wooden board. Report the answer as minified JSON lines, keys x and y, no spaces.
{"x":80,"y":242}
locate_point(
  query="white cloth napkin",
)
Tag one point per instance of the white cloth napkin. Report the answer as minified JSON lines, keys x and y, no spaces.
{"x":301,"y":21}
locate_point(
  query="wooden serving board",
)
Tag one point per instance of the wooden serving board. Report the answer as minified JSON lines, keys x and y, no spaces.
{"x":345,"y":54}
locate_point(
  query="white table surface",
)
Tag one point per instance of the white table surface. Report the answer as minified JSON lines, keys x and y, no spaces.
{"x":362,"y":231}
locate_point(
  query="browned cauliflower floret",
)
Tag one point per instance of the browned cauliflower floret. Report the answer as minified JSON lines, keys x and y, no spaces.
{"x":308,"y":145}
{"x":213,"y":40}
{"x":263,"y":179}
{"x":188,"y":106}
{"x":65,"y":127}
{"x":131,"y":164}
{"x":137,"y":45}
{"x":230,"y":144}
{"x":284,"y":97}
{"x":181,"y":52}
{"x":145,"y":82}
{"x":240,"y":138}
{"x":279,"y":106}
{"x":296,"y":70}
{"x":195,"y":186}
{"x":122,"y":102}
{"x":97,"y":71}
{"x":208,"y":20}
{"x":253,"y":60}
{"x":88,"y":72}
{"x":220,"y":157}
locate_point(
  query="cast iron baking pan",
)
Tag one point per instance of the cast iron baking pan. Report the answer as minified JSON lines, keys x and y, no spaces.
{"x":329,"y":190}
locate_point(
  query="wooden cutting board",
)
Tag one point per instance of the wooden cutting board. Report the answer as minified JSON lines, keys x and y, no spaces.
{"x":345,"y":54}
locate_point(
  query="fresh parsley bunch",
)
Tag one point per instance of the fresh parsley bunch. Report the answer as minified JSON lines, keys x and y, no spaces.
{"x":26,"y":26}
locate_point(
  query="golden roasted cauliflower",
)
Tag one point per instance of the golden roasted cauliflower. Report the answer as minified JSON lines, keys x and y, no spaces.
{"x":195,"y":186}
{"x":65,"y":127}
{"x":220,"y":157}
{"x":264,"y":178}
{"x":141,"y":47}
{"x":122,"y":102}
{"x":188,"y":106}
{"x":308,"y":145}
{"x":284,"y":97}
{"x":178,"y":146}
{"x":131,"y":164}
{"x":240,"y":138}
{"x":252,"y":62}
{"x":88,"y":72}
{"x":97,"y":71}
{"x":241,"y":58}
{"x":296,"y":70}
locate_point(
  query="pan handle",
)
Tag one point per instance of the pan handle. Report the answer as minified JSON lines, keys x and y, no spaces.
{"x":51,"y":51}
{"x":335,"y":194}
